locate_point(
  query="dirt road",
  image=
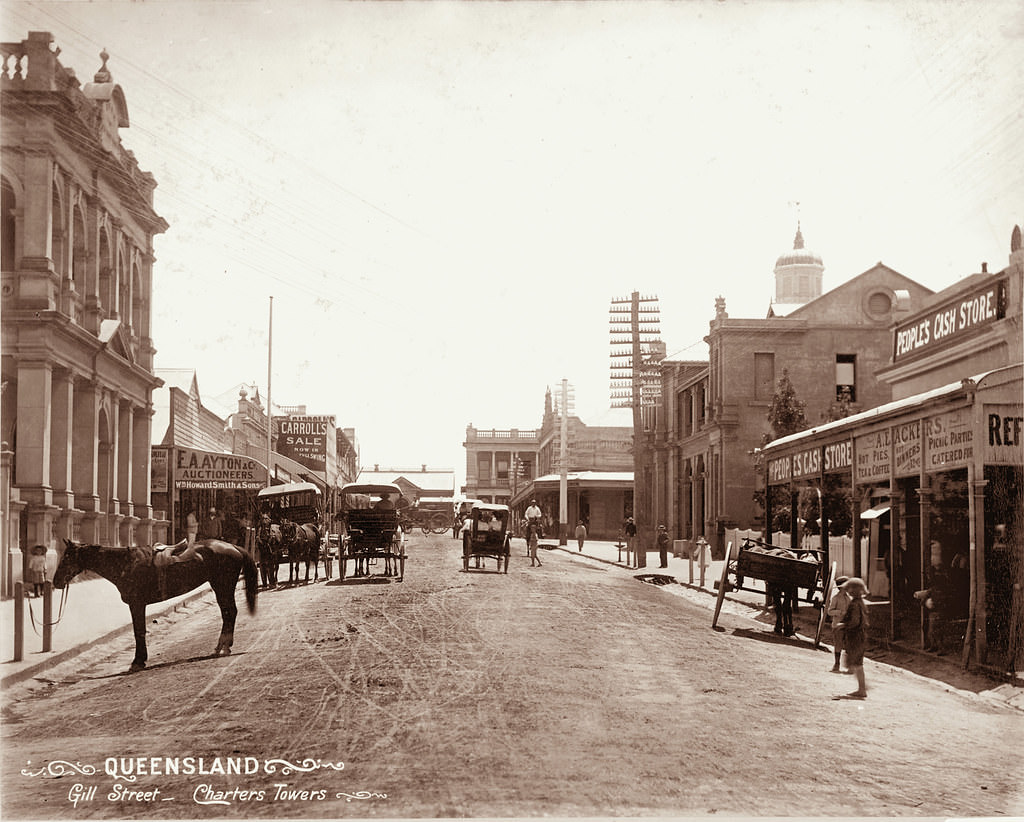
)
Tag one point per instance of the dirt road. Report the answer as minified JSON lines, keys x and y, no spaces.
{"x":566,"y":690}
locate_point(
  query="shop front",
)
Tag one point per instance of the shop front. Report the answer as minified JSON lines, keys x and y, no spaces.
{"x":931,"y":490}
{"x":208,"y":491}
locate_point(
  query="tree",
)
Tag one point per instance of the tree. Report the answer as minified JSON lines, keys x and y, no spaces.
{"x":786,"y":414}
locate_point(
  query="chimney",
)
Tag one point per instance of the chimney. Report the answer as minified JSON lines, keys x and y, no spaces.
{"x":424,"y":467}
{"x":984,"y":268}
{"x":376,"y":466}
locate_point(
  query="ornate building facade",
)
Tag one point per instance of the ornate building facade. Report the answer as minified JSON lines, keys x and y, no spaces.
{"x":77,"y":265}
{"x":714,"y":415}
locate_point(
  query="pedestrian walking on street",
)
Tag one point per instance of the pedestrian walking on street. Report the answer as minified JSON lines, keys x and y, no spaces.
{"x":581,"y":534}
{"x":630,"y":530}
{"x":532,"y":538}
{"x":663,"y":546}
{"x":837,"y":605}
{"x":855,"y":633}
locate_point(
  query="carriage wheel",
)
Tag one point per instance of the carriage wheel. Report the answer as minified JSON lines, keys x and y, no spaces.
{"x":826,"y":590}
{"x":721,"y":585}
{"x":425,"y":527}
{"x":438,"y":524}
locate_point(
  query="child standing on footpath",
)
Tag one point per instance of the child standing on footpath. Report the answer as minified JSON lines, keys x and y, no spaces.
{"x":37,"y":569}
{"x":581,"y":534}
{"x":837,"y":605}
{"x":855,"y":633}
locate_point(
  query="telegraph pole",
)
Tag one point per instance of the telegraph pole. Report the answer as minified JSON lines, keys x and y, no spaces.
{"x":563,"y":459}
{"x":635,"y":384}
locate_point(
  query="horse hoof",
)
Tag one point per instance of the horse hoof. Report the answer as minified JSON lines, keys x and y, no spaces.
{"x":136,"y":667}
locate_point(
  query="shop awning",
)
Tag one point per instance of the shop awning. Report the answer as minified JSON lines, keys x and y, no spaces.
{"x":874,"y":513}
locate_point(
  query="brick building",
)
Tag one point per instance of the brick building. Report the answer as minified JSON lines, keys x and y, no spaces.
{"x":713,"y":415}
{"x":77,"y":267}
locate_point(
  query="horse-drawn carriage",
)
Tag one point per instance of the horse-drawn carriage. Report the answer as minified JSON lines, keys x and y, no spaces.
{"x":485,"y":534}
{"x":372,"y":530}
{"x":290,"y":526}
{"x":432,"y":516}
{"x":783,"y":573}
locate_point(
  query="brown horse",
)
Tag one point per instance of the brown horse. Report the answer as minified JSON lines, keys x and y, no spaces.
{"x":268,"y":547}
{"x":302,"y":542}
{"x":140,"y":581}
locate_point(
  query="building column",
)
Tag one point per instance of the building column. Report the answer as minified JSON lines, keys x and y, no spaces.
{"x":33,"y":420}
{"x":140,"y":483}
{"x":924,"y":496}
{"x":63,"y":398}
{"x":84,"y":455}
{"x":123,"y":457}
{"x":978,"y":617}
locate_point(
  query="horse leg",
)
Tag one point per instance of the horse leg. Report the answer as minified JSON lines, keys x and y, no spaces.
{"x":228,"y":612}
{"x":139,"y":627}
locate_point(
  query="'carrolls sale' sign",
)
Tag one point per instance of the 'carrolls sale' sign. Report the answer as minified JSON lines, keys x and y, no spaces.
{"x":950,"y":321}
{"x":305,"y":440}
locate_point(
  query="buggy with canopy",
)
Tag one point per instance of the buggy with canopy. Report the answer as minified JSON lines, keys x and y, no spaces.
{"x":372,"y":529}
{"x":485,"y":534}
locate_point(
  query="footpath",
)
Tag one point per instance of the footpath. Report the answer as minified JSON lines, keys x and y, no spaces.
{"x":93,"y":613}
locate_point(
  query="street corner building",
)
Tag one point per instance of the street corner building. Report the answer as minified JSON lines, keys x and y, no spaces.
{"x":930,"y":485}
{"x":78,"y":225}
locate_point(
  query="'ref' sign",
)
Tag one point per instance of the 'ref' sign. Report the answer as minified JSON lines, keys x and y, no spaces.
{"x":1004,"y":437}
{"x":950,"y":321}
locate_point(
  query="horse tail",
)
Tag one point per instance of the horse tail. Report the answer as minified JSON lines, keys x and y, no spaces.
{"x":252,"y":581}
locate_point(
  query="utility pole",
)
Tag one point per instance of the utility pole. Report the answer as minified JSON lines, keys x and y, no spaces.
{"x":270,"y":356}
{"x":635,"y":383}
{"x":563,"y":459}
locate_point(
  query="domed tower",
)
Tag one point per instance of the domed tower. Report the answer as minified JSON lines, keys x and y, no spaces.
{"x":798,"y":274}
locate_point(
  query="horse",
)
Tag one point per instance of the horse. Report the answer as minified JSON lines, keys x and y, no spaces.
{"x":268,"y":544}
{"x":303,"y":545}
{"x":144,"y":575}
{"x":782,"y":598}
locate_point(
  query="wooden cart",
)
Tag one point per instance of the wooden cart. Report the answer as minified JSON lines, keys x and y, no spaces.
{"x":780,"y":567}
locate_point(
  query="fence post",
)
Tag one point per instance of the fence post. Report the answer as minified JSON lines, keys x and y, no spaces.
{"x":47,"y":616}
{"x":19,"y":621}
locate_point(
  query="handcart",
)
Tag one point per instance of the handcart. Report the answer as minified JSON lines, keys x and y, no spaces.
{"x":782,"y":568}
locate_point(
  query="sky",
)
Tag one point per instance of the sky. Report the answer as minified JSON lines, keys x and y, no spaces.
{"x":440,"y":199}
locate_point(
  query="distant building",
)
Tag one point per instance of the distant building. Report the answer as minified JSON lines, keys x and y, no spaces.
{"x":712,"y":419}
{"x":77,"y":258}
{"x":416,"y":484}
{"x":514,"y":466}
{"x":208,"y":455}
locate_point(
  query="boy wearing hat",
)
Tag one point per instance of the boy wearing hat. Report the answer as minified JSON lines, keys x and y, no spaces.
{"x":837,"y":605}
{"x":855,"y":634}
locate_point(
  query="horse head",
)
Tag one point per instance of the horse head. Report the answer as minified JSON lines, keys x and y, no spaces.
{"x":288,"y":529}
{"x":70,"y":565}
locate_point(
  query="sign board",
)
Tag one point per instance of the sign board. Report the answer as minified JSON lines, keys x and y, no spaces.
{"x":873,"y":455}
{"x":948,"y":440}
{"x":1003,"y":434}
{"x":205,"y":469}
{"x":950,"y":321}
{"x":779,"y":470}
{"x":158,"y":464}
{"x":305,"y":439}
{"x":906,"y":448}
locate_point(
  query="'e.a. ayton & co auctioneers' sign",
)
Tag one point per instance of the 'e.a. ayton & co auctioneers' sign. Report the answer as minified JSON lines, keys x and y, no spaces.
{"x":205,"y":469}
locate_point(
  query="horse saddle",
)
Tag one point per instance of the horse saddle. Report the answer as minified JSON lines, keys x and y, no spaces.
{"x":164,"y":555}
